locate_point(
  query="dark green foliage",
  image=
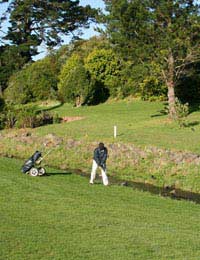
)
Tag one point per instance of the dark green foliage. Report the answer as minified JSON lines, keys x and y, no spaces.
{"x":165,"y":32}
{"x":37,"y":81}
{"x":152,"y":48}
{"x":98,"y":94}
{"x":19,"y":116}
{"x":124,"y":20}
{"x":151,"y":87}
{"x":42,"y":79}
{"x":26,"y":117}
{"x":34,"y":22}
{"x":182,"y":111}
{"x":18,"y":91}
{"x":188,"y":87}
{"x":9,"y":116}
{"x":44,"y":118}
{"x":23,"y":116}
{"x":11,"y":61}
{"x":131,"y":78}
{"x":2,"y":115}
{"x":148,"y":29}
{"x":105,"y":68}
{"x":56,"y":119}
{"x":74,"y":85}
{"x":2,"y":103}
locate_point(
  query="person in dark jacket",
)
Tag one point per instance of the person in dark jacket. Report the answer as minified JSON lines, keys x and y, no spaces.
{"x":99,"y":160}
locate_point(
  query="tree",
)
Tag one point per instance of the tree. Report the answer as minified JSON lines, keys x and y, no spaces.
{"x":84,"y":47}
{"x":188,"y":87}
{"x":164,"y":31}
{"x":105,"y":68}
{"x":2,"y":104}
{"x":10,"y":62}
{"x":74,"y":85}
{"x":34,"y":22}
{"x":37,"y":81}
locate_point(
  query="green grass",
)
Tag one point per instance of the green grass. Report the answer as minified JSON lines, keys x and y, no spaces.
{"x":61,"y":217}
{"x":138,"y":122}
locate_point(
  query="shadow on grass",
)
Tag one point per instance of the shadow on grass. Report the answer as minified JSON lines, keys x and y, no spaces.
{"x":194,"y":108}
{"x":50,"y":108}
{"x":167,"y":191}
{"x":191,"y":124}
{"x":162,"y":112}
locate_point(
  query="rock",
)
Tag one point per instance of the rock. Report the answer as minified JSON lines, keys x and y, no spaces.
{"x":124,"y":183}
{"x":71,"y":118}
{"x":63,"y":167}
{"x":52,"y":140}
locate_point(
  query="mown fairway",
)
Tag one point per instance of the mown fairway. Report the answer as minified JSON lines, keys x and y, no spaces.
{"x":141,"y":124}
{"x":138,"y":122}
{"x":61,"y":217}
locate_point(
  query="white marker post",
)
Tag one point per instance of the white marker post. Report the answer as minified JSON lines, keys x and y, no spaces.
{"x":115,"y":131}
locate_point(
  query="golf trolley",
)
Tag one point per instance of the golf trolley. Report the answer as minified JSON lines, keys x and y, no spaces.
{"x":32,"y":165}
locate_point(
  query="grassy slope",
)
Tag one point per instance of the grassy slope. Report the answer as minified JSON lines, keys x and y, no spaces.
{"x":138,"y":122}
{"x":62,"y":217}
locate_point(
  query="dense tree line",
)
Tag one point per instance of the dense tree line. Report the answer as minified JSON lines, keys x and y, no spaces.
{"x":149,"y":49}
{"x":32,"y":23}
{"x":165,"y":32}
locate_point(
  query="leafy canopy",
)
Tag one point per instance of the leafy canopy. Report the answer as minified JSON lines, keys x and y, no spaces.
{"x":42,"y":21}
{"x":74,"y":85}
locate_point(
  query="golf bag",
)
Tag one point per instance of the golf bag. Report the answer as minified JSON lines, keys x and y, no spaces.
{"x":30,"y":165}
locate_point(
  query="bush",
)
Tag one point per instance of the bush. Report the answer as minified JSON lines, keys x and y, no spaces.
{"x":74,"y":85}
{"x":56,"y":119}
{"x":37,"y":81}
{"x":105,"y":68}
{"x":10,"y":116}
{"x":18,"y":91}
{"x":44,"y":118}
{"x":152,"y":89}
{"x":2,"y":120}
{"x":25,"y":116}
{"x":2,"y":104}
{"x":182,"y":111}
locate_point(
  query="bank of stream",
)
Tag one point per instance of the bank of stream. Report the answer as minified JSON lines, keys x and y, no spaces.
{"x":167,"y":191}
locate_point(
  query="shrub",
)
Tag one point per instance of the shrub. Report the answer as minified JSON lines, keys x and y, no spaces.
{"x":182,"y":111}
{"x":105,"y":67}
{"x":18,"y":91}
{"x":37,"y":81}
{"x":74,"y":85}
{"x":56,"y":119}
{"x":152,"y":89}
{"x":44,"y":118}
{"x":2,"y":120}
{"x":10,"y":116}
{"x":2,"y":104}
{"x":25,"y":116}
{"x":42,"y":79}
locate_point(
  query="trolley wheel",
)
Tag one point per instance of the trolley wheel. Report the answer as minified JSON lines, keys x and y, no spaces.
{"x":33,"y":172}
{"x":42,"y":171}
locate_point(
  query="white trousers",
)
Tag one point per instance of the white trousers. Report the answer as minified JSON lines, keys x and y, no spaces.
{"x":93,"y":174}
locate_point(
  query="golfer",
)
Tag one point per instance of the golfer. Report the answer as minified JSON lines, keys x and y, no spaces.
{"x":99,"y":160}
